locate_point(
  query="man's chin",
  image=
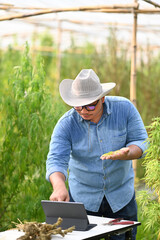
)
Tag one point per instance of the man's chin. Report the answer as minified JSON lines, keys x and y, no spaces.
{"x":86,"y":117}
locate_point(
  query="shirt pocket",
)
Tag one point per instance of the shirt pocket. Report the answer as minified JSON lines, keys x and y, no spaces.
{"x":118,"y":139}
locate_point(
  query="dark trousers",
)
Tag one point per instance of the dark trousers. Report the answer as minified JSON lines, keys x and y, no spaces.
{"x":129,"y":212}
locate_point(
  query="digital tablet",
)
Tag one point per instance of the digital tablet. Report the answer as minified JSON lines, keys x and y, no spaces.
{"x":72,"y":213}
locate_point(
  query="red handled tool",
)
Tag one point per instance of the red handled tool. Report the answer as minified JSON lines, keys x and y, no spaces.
{"x":118,"y":221}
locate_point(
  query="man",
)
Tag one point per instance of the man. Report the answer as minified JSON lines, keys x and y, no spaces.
{"x":96,"y":125}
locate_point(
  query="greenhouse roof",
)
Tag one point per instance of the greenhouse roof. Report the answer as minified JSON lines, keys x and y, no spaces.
{"x":89,"y":19}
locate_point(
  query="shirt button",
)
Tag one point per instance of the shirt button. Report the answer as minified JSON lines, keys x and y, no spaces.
{"x":104,"y":167}
{"x":104,"y":178}
{"x":104,"y":188}
{"x":101,"y":140}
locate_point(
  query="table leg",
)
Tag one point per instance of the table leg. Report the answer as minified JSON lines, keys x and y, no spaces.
{"x":107,"y":238}
{"x":128,"y":235}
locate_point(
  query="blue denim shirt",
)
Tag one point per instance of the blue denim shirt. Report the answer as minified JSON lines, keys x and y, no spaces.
{"x":76,"y":145}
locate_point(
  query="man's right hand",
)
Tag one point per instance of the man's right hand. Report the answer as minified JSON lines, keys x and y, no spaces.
{"x":60,"y":195}
{"x":60,"y":192}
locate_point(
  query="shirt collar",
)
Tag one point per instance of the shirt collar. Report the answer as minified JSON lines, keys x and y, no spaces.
{"x":106,"y":108}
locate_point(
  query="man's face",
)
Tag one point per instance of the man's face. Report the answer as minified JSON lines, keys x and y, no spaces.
{"x":92,"y":115}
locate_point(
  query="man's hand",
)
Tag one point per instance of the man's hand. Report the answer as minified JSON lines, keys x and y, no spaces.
{"x":60,"y":192}
{"x":60,"y":195}
{"x":126,"y":153}
{"x":119,"y":154}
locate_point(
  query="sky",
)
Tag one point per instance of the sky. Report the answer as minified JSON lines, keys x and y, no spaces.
{"x":148,"y":25}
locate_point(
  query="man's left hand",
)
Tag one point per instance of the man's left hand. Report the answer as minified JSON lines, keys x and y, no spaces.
{"x":121,"y":154}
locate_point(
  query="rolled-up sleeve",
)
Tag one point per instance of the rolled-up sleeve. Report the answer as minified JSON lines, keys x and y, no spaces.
{"x":136,"y":132}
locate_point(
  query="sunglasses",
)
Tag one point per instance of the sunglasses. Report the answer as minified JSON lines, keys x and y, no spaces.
{"x":87,"y":107}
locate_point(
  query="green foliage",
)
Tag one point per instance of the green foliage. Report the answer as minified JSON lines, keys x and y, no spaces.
{"x":150,"y":200}
{"x":142,"y":233}
{"x":75,"y":59}
{"x":46,"y":40}
{"x":29,"y":115}
{"x":7,"y":61}
{"x":148,"y":86}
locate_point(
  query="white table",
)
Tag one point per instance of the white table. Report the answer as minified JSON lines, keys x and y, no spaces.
{"x":97,"y":232}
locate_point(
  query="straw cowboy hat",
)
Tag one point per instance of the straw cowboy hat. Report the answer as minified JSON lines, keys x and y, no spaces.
{"x":84,"y":89}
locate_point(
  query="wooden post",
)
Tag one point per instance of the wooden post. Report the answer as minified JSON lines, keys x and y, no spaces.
{"x":133,"y":70}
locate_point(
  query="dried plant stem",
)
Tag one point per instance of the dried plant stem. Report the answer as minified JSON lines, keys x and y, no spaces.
{"x":40,"y":231}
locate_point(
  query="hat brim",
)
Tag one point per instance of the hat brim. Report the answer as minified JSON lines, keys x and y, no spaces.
{"x":65,"y":89}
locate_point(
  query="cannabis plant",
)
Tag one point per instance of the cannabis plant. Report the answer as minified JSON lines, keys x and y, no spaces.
{"x":29,"y":115}
{"x":150,"y":199}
